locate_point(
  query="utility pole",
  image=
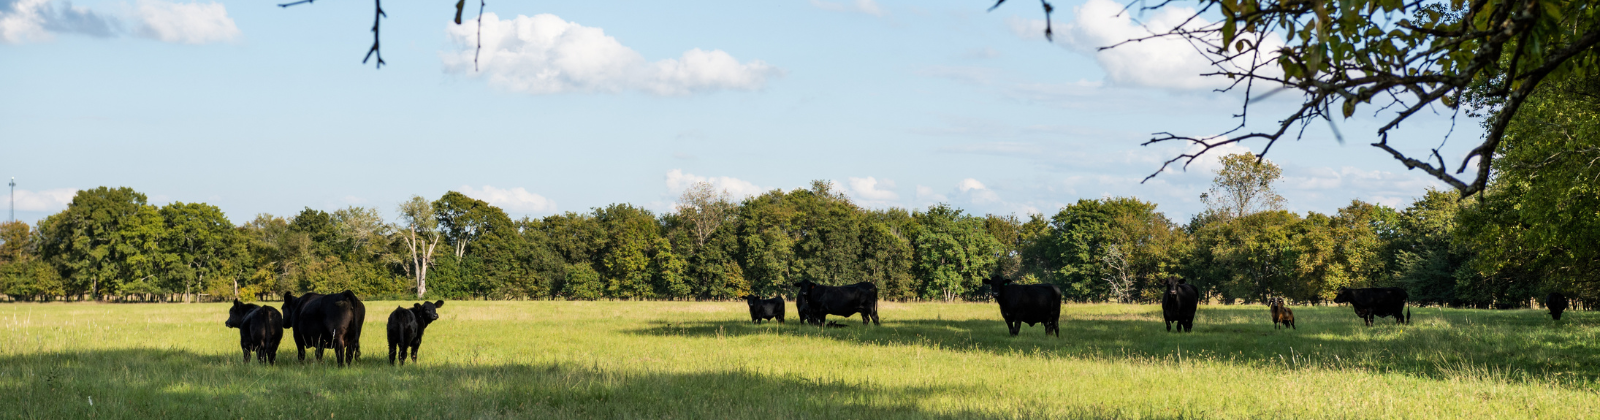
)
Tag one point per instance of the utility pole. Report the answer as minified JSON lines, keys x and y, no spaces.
{"x":13,"y":199}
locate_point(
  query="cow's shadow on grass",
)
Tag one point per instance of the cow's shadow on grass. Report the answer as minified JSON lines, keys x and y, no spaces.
{"x":180,"y":384}
{"x":1496,"y":345}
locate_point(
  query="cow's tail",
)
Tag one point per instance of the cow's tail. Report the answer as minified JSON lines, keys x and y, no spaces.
{"x":1408,"y":316}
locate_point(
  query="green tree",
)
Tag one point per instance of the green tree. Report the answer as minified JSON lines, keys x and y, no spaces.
{"x":199,"y":241}
{"x":419,"y":231}
{"x":629,"y":256}
{"x":106,"y":241}
{"x":1243,"y":186}
{"x":953,"y":252}
{"x":1535,"y":227}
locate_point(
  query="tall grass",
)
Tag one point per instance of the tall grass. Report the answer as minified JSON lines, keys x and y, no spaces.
{"x":706,"y":360}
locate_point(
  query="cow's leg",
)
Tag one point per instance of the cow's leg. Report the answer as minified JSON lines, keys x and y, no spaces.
{"x":272,"y":354}
{"x":246,"y":354}
{"x":1169,"y":325}
{"x":415,"y":348}
{"x":1015,"y":327}
{"x":875,"y":317}
{"x":780,"y":318}
{"x":865,"y":317}
{"x":391,"y":353}
{"x":404,"y":350}
{"x":339,"y":350}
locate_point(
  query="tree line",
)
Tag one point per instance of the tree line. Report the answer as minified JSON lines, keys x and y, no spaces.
{"x":109,"y":243}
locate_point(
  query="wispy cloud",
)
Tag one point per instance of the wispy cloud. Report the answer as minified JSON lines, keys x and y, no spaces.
{"x":26,"y":21}
{"x":677,"y":181}
{"x":516,"y":199}
{"x":868,"y":7}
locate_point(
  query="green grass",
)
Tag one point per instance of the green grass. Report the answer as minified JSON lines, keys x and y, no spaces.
{"x":705,"y":360}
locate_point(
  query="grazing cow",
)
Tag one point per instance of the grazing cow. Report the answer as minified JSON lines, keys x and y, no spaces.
{"x":767,"y":309}
{"x":260,"y":330}
{"x":1557,"y":303}
{"x":821,"y":301}
{"x":1030,"y":303}
{"x":406,"y":327}
{"x":324,"y":321}
{"x":1178,"y":304}
{"x":1377,"y":302}
{"x":1281,"y":315}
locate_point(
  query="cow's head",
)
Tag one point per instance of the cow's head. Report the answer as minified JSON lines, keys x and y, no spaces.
{"x":237,"y":313}
{"x":1343,"y":296}
{"x":805,"y":286}
{"x":751,"y":300}
{"x":427,"y":311}
{"x":1172,"y":285}
{"x":996,"y":283}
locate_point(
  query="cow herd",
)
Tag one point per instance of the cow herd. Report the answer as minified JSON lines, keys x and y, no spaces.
{"x":334,"y":321}
{"x":1041,"y":304}
{"x":322,"y":322}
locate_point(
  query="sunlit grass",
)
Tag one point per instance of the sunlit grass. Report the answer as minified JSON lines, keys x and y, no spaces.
{"x":705,"y":360}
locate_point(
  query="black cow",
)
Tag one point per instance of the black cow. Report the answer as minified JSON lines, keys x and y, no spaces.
{"x":1030,"y":303}
{"x":324,"y":321}
{"x":1377,"y":302}
{"x":761,"y":309}
{"x":406,"y":327}
{"x":260,"y":330}
{"x":1557,"y":303}
{"x":821,"y":301}
{"x":1178,"y":304}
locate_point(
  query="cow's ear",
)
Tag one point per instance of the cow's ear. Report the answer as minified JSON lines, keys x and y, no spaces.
{"x":440,"y":303}
{"x":235,"y":302}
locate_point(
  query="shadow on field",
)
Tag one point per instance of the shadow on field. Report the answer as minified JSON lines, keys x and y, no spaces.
{"x":180,"y":384}
{"x":1494,"y":345}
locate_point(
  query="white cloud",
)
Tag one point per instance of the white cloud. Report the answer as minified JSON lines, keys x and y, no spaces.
{"x":185,"y":23}
{"x":46,"y":200}
{"x":970,"y":184}
{"x":23,"y":21}
{"x":869,"y":7}
{"x":867,"y":189}
{"x":514,"y":199}
{"x":977,"y":192}
{"x":925,"y":193}
{"x":544,"y":54}
{"x":1166,"y":63}
{"x":677,"y":181}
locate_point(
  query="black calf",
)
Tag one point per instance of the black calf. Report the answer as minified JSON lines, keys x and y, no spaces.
{"x":764,"y":309}
{"x":406,"y":327}
{"x":260,"y":330}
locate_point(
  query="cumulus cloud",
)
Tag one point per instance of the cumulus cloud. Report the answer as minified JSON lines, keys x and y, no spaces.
{"x":24,"y":21}
{"x":1165,"y":63}
{"x":677,"y":181}
{"x":871,"y":189}
{"x":46,"y":200}
{"x":513,"y":199}
{"x":869,"y":7}
{"x":185,"y":23}
{"x":543,"y":54}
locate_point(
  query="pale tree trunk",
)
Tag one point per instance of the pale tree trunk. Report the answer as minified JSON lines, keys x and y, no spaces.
{"x":422,"y":272}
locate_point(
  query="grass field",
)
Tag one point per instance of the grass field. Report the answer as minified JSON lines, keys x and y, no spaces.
{"x":705,"y":360}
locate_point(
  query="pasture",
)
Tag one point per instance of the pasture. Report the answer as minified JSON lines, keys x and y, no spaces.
{"x":706,"y":360}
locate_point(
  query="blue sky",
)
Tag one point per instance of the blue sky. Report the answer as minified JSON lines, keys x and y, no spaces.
{"x":261,"y":109}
